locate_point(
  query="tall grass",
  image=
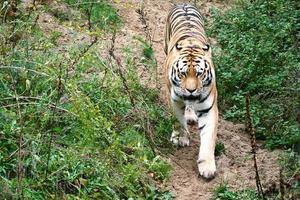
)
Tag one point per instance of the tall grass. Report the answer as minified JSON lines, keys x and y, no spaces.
{"x":67,"y":128}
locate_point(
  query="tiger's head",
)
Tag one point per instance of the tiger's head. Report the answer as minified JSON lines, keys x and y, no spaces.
{"x":190,"y":68}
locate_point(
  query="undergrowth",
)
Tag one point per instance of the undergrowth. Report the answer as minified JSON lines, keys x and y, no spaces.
{"x":258,"y":54}
{"x":68,"y":129}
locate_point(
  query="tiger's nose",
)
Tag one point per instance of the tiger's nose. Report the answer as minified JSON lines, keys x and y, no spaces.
{"x":190,"y":90}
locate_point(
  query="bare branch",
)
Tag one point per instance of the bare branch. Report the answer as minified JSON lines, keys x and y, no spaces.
{"x":251,"y":132}
{"x":20,"y":169}
{"x":22,"y":68}
{"x":34,"y":103}
{"x":111,"y":52}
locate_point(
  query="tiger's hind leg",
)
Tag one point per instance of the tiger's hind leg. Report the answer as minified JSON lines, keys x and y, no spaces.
{"x":208,"y":134}
{"x":180,"y":135}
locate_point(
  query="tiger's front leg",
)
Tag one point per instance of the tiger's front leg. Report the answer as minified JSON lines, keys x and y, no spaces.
{"x":180,"y":135}
{"x":207,"y":123}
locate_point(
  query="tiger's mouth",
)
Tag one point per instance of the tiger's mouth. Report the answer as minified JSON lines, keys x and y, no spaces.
{"x":191,"y":97}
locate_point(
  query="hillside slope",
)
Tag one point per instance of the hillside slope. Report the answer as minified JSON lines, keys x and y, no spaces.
{"x":235,"y":166}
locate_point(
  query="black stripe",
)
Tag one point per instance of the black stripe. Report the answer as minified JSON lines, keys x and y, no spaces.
{"x":203,"y":99}
{"x":174,"y":82}
{"x":183,"y":37}
{"x":175,"y":12}
{"x":204,"y":111}
{"x":177,"y":94}
{"x":178,"y":14}
{"x":172,"y":74}
{"x":181,"y":25}
{"x":195,"y":14}
{"x":209,"y":77}
{"x":200,"y":128}
{"x":208,"y":83}
{"x":176,"y":79}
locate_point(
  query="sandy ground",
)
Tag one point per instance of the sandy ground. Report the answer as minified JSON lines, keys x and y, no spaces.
{"x":235,"y":166}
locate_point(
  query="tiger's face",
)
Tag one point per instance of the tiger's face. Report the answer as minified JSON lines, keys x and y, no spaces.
{"x":190,"y":72}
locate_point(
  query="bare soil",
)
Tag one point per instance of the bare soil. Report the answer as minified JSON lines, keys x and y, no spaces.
{"x":235,"y":166}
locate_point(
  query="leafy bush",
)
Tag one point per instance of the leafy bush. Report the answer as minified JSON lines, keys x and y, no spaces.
{"x":68,"y":129}
{"x":260,"y":56}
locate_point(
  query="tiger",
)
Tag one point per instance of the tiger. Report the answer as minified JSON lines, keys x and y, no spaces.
{"x":191,"y":82}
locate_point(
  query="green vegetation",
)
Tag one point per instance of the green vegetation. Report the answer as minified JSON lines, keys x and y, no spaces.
{"x":74,"y":124}
{"x":99,"y":13}
{"x":223,"y":193}
{"x":260,"y":56}
{"x":219,"y":149}
{"x":69,"y":129}
{"x":290,"y":164}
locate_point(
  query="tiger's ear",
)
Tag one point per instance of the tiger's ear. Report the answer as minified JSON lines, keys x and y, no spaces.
{"x":206,"y":47}
{"x":178,"y":46}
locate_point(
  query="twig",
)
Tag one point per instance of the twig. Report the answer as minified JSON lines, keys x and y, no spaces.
{"x":19,"y":170}
{"x":149,"y":136}
{"x":16,"y":151}
{"x":22,"y":68}
{"x":35,"y":21}
{"x":59,"y":94}
{"x":34,"y":103}
{"x":111,"y":52}
{"x":143,"y":20}
{"x":149,"y":37}
{"x":10,"y":10}
{"x":76,"y":60}
{"x":20,"y":97}
{"x":89,"y":14}
{"x":251,"y":131}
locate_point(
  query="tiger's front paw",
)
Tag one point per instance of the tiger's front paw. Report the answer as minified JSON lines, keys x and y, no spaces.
{"x":207,"y":168}
{"x":179,"y":140}
{"x":190,"y":116}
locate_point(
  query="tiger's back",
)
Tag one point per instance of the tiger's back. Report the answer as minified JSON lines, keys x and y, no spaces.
{"x":183,"y":21}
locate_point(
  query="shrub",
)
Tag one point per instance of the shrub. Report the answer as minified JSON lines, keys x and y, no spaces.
{"x":74,"y":135}
{"x":260,"y":56}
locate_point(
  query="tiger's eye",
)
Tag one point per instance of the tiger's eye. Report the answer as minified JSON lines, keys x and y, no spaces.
{"x":178,"y":47}
{"x":206,"y":47}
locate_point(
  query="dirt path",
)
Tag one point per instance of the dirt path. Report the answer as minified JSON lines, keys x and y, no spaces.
{"x":235,"y":166}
